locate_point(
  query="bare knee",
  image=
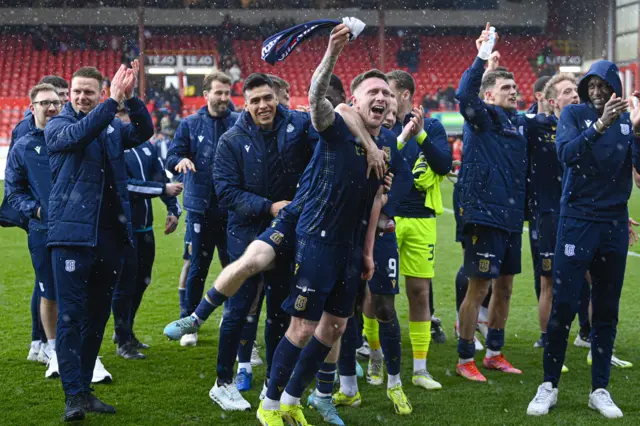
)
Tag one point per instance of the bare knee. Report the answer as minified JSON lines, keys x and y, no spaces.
{"x":384,"y":307}
{"x":477,"y":290}
{"x":300,"y":331}
{"x":330,"y":329}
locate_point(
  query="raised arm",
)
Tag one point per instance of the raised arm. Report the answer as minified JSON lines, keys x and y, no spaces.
{"x":322,"y":113}
{"x":140,"y":129}
{"x":376,"y":158}
{"x":472,"y":108}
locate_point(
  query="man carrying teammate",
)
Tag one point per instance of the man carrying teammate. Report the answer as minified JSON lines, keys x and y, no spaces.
{"x":339,"y":198}
{"x":28,"y":184}
{"x":193,"y":153}
{"x":89,"y":220}
{"x":492,"y":200}
{"x":597,"y":143}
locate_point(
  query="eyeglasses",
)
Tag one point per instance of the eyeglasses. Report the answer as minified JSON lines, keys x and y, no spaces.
{"x":47,"y":104}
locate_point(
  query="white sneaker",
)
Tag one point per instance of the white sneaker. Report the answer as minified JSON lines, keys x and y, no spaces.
{"x":43,"y":357}
{"x":483,"y":328}
{"x":100,"y":374}
{"x":263,"y":394}
{"x":189,"y":339}
{"x":581,"y":343}
{"x":600,"y":400}
{"x":256,"y":361}
{"x":546,"y":398}
{"x":477,"y":343}
{"x":52,"y":367}
{"x":34,"y":350}
{"x":364,"y":351}
{"x":228,"y":397}
{"x":615,"y":361}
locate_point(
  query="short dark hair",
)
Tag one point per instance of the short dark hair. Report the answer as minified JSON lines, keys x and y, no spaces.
{"x":55,"y":81}
{"x":373,"y":73}
{"x":215,"y":76}
{"x":279,"y":83}
{"x":256,"y":79}
{"x":336,"y":83}
{"x":490,"y":78}
{"x":88,"y":72}
{"x":41,"y":87}
{"x":538,"y":86}
{"x":403,"y":80}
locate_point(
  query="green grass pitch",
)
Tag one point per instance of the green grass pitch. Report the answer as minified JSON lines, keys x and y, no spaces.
{"x":171,"y":386}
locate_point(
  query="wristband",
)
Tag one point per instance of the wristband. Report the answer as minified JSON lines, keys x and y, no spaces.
{"x":421,"y":137}
{"x":400,"y":144}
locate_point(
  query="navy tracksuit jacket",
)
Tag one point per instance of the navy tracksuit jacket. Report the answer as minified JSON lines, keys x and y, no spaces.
{"x":592,"y":231}
{"x":89,"y":225}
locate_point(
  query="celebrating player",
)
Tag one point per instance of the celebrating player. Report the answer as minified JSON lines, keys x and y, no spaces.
{"x":89,"y":220}
{"x":492,"y":200}
{"x":597,"y":145}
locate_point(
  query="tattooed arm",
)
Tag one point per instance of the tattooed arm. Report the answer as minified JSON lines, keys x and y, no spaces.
{"x":322,"y":113}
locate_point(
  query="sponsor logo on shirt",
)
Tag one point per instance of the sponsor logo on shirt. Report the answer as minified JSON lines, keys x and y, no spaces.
{"x":147,"y":151}
{"x":110,"y":129}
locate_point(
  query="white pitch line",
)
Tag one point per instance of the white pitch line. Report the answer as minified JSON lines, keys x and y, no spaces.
{"x":525,"y":229}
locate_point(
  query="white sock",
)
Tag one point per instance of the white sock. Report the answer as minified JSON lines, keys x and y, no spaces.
{"x":483,"y":315}
{"x":52,"y":344}
{"x":491,"y":354}
{"x":270,"y":404}
{"x":393,"y":380}
{"x":287,"y":399}
{"x":246,"y":366}
{"x":419,"y":364}
{"x":465,"y":360}
{"x":322,"y":395}
{"x":349,"y":385}
{"x":35,"y":345}
{"x":376,"y":355}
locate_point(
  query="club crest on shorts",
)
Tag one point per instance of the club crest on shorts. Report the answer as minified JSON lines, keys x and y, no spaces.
{"x":69,"y":265}
{"x":290,"y":128}
{"x":295,"y":272}
{"x":277,"y":237}
{"x":393,"y":283}
{"x":474,"y":239}
{"x":546,"y":264}
{"x":196,"y":228}
{"x":110,"y":129}
{"x":569,"y":250}
{"x":301,"y":303}
{"x":483,"y":265}
{"x":624,"y":128}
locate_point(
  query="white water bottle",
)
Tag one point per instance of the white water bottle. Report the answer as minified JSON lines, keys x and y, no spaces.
{"x":487,"y":46}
